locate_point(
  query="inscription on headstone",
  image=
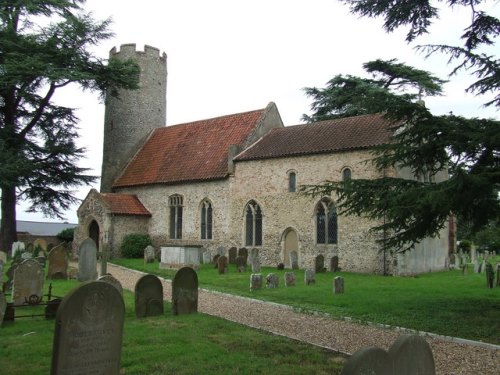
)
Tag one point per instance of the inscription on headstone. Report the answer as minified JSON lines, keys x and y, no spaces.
{"x":58,"y":263}
{"x":88,"y":331}
{"x":148,"y":296}
{"x":185,"y":292}
{"x":87,"y":261}
{"x":28,"y":283}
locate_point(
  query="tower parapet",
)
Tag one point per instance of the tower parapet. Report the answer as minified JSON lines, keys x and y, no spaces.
{"x":130,"y":117}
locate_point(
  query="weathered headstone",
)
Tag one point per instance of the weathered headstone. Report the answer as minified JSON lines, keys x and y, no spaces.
{"x":216,"y":260}
{"x":240,"y":264}
{"x":319,"y":263}
{"x":483,"y":267}
{"x":334,"y":264}
{"x":110,"y":279}
{"x":232,"y":254}
{"x":254,"y":260}
{"x":3,"y":306}
{"x":149,"y":254}
{"x":148,"y":296}
{"x":88,"y":331}
{"x":490,"y":275}
{"x":272,"y":280}
{"x":17,"y":247}
{"x":222,"y":264}
{"x":255,"y":281}
{"x":290,"y":279}
{"x":294,"y":260}
{"x":58,"y":263}
{"x":309,"y":277}
{"x":87,"y":261}
{"x":185,"y":292}
{"x":243,"y":252}
{"x":28,"y":283}
{"x":412,"y":355}
{"x":338,"y":285}
{"x":476,"y":266}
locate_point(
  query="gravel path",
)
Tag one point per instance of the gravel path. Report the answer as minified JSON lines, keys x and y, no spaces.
{"x":452,"y":358}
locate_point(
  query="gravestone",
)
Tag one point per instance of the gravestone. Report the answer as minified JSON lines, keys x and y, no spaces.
{"x":369,"y":361}
{"x":338,"y":285}
{"x":40,"y":243}
{"x":17,"y":247}
{"x":498,"y":275}
{"x":28,"y":283}
{"x":490,"y":275}
{"x":206,"y":257}
{"x":255,"y":281}
{"x":290,"y":279}
{"x":216,"y":260}
{"x":243,"y":252}
{"x":334,"y":264}
{"x":240,"y":264}
{"x":280,"y":266}
{"x":87,"y":261}
{"x":148,"y":296}
{"x":319,"y":265}
{"x":294,"y":260}
{"x":309,"y":277}
{"x":222,"y":264}
{"x":255,"y":260}
{"x":110,"y":279}
{"x":185,"y":292}
{"x":3,"y":307}
{"x":476,"y":266}
{"x":232,"y":253}
{"x":272,"y":280}
{"x":149,"y":254}
{"x":452,"y":260}
{"x":483,"y":267}
{"x":58,"y":263}
{"x":89,"y":331}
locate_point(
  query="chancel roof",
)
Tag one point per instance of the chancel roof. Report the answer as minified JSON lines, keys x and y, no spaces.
{"x":194,"y":151}
{"x":343,"y":134}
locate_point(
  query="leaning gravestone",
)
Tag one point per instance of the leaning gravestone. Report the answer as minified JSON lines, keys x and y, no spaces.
{"x":148,"y":296}
{"x":338,"y":285}
{"x":222,"y":264}
{"x":185,"y":292}
{"x":110,"y":279}
{"x":290,"y":279}
{"x":149,"y":254}
{"x":3,"y":306}
{"x":58,"y":263}
{"x":309,"y":277}
{"x":88,"y":331}
{"x":272,"y":280}
{"x":255,"y":281}
{"x":232,"y":254}
{"x":87,"y":260}
{"x":28,"y":283}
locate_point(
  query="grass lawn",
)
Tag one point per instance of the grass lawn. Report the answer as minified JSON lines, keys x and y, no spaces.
{"x":189,"y":344}
{"x":447,"y":303}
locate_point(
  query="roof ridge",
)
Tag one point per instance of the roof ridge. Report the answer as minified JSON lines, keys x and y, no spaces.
{"x":212,"y":118}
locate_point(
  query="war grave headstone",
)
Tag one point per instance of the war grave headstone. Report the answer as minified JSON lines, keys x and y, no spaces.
{"x":334,"y":264}
{"x":17,"y":246}
{"x":338,"y":285}
{"x":58,"y":263}
{"x":309,"y":277}
{"x":232,"y":254}
{"x":28,"y":283}
{"x":185,"y":292}
{"x":272,"y":280}
{"x":319,"y":263}
{"x":255,"y":281}
{"x":87,"y":260}
{"x":290,"y":279}
{"x":148,"y":296}
{"x":294,"y":260}
{"x":89,"y":331}
{"x":243,"y":252}
{"x":149,"y":254}
{"x":222,"y":264}
{"x":3,"y":307}
{"x":110,"y":279}
{"x":240,"y":264}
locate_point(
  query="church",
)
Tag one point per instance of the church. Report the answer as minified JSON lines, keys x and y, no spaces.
{"x":234,"y":181}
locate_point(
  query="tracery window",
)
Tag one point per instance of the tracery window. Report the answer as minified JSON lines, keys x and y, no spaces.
{"x":175,"y":203}
{"x":206,"y":220}
{"x":253,"y":224}
{"x":326,"y":222}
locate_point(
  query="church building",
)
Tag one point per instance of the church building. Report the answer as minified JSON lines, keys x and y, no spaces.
{"x":234,"y":181}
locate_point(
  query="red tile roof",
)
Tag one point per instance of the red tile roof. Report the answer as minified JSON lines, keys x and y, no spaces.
{"x":124,"y":204}
{"x":189,"y":152}
{"x":326,"y":136}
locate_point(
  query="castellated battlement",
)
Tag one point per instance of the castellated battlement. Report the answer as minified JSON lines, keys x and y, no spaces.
{"x":130,"y":50}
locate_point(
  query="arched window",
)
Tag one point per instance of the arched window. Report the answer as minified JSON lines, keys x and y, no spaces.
{"x":206,"y":220}
{"x":175,"y":202}
{"x":253,"y":224}
{"x":326,"y":222}
{"x":346,"y":174}
{"x":292,"y":182}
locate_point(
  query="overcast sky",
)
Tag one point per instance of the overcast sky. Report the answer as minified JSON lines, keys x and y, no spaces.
{"x":230,"y":56}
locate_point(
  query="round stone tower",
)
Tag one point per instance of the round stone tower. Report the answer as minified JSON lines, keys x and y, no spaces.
{"x":130,"y":118}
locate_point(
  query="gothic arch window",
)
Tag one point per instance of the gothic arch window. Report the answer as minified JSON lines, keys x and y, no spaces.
{"x":292,"y":181}
{"x":175,"y":203}
{"x":326,"y":222}
{"x":206,"y":220}
{"x":253,"y":224}
{"x":346,"y":174}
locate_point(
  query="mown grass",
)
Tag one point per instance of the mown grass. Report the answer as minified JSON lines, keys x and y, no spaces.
{"x":189,"y":344}
{"x":447,"y":303}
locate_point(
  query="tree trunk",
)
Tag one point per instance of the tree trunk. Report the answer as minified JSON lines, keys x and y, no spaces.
{"x":8,"y":230}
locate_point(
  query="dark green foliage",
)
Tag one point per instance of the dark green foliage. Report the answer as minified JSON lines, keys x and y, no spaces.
{"x":66,"y":235}
{"x":133,"y":245}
